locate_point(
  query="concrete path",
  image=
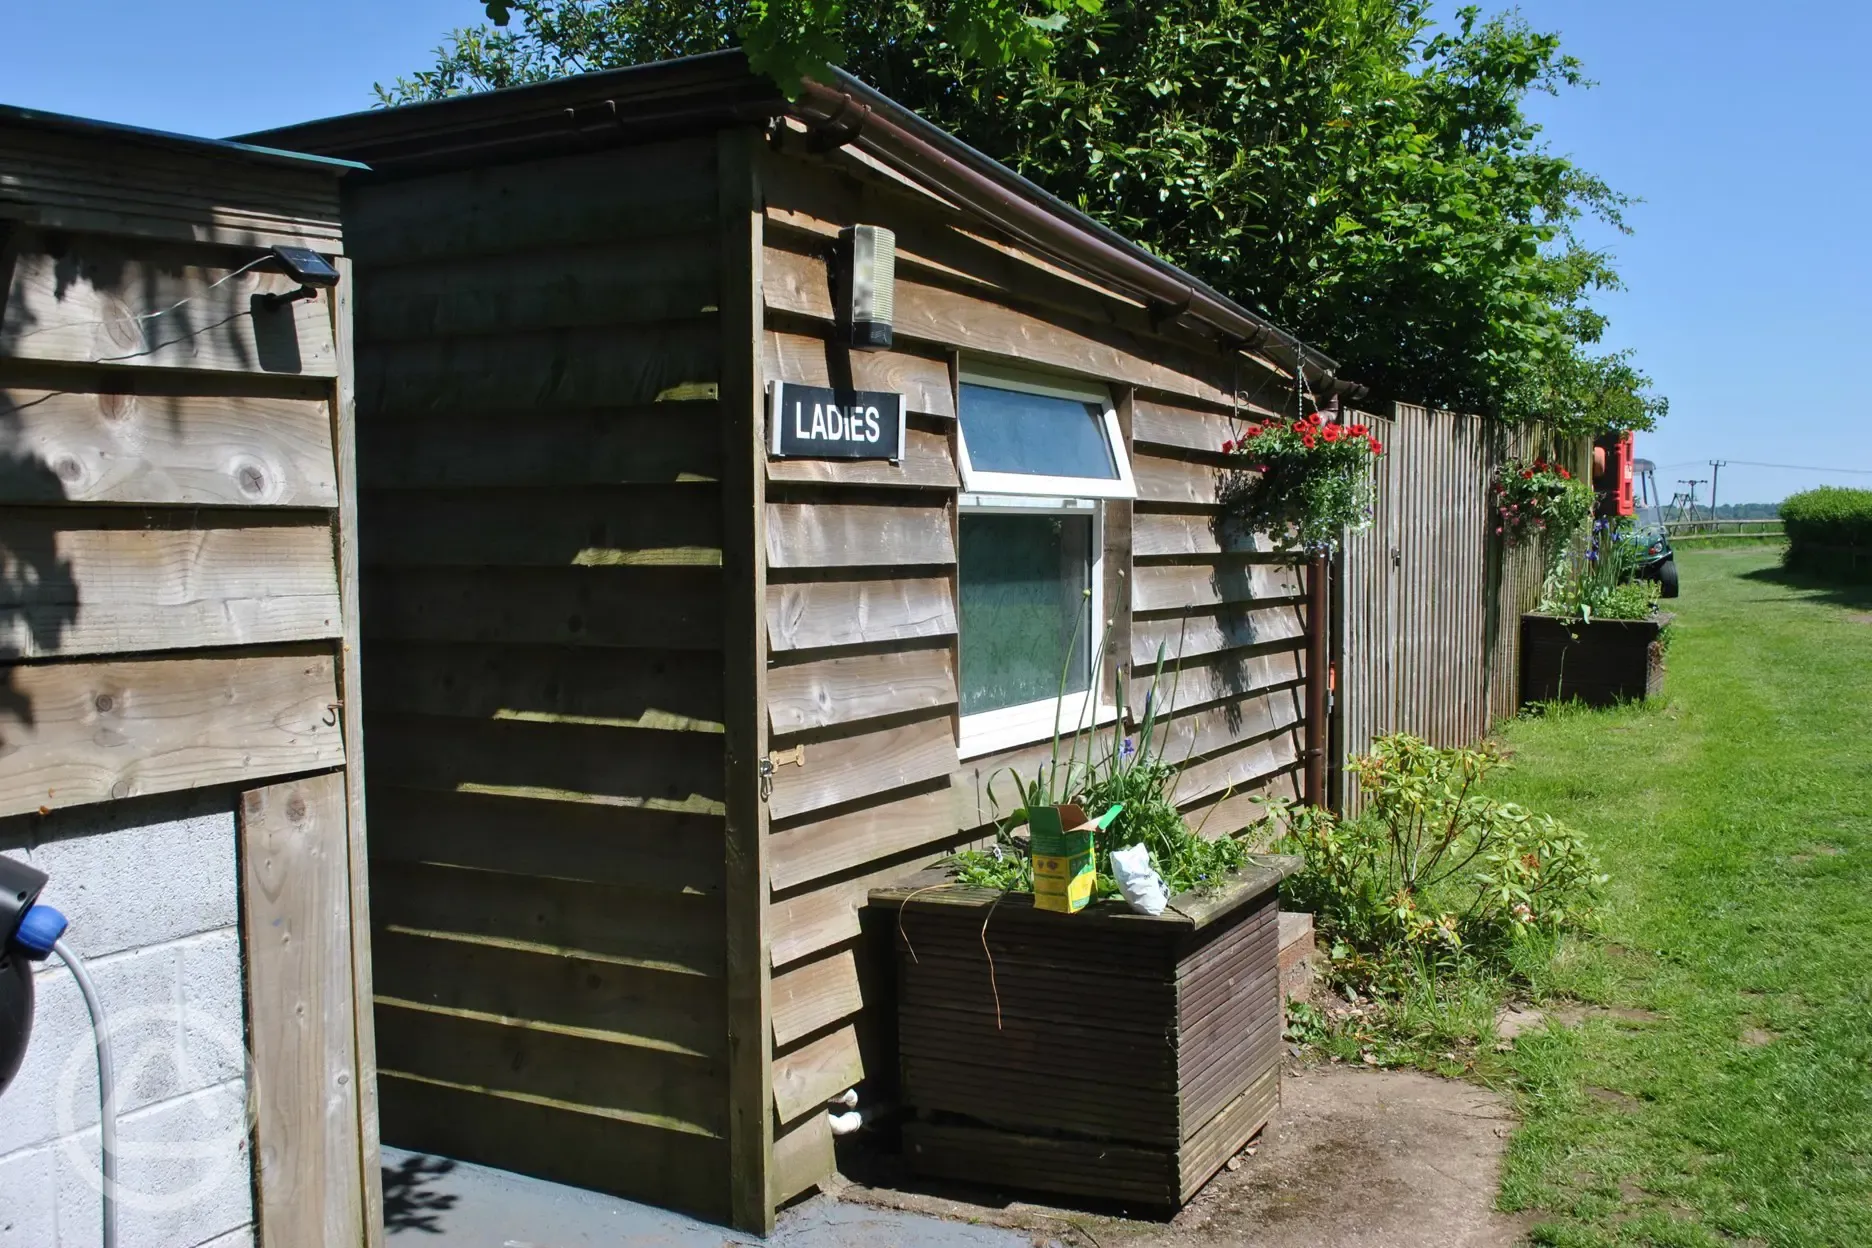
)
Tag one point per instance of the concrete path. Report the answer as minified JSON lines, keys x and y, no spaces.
{"x":432,"y":1202}
{"x":1355,"y":1159}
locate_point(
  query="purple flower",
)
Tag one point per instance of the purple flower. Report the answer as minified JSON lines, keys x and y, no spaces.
{"x":1127,"y":748}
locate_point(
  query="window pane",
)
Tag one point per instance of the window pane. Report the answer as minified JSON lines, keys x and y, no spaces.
{"x":1036,"y":434}
{"x":1025,"y":601}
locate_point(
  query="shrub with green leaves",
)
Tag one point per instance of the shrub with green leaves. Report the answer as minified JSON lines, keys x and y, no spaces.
{"x":1433,"y":873}
{"x":1829,"y":532}
{"x":1596,"y":578}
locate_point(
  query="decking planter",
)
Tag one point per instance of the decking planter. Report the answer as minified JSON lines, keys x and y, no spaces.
{"x":1598,"y":663}
{"x":1102,"y":1054}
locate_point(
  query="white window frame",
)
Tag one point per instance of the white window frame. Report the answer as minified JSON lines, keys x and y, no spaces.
{"x":988,"y":493}
{"x":1033,"y":484}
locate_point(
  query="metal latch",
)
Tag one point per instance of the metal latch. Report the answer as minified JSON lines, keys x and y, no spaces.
{"x":795,"y":757}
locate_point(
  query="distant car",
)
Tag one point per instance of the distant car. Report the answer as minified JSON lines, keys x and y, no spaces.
{"x":1656,"y":560}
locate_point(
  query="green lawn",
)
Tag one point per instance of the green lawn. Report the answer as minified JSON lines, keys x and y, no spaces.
{"x":1728,"y":1097}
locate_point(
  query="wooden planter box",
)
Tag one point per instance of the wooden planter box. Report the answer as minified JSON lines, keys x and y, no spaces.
{"x":1103,"y":1054}
{"x":1601,"y":663}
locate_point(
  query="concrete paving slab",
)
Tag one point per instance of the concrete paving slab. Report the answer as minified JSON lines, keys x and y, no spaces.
{"x":436,"y":1202}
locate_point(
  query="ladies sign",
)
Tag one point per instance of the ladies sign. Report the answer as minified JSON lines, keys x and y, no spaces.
{"x":818,"y":422}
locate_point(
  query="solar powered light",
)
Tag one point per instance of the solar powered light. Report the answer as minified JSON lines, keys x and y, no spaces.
{"x":312,"y":271}
{"x":867,"y":285}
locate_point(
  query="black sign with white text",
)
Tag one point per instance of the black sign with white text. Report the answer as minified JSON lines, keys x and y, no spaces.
{"x":817,"y":422}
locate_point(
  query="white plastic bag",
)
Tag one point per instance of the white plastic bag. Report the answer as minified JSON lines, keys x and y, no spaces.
{"x":1142,"y":887}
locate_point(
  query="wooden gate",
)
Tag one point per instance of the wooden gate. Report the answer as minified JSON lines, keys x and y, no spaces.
{"x":1412,"y":625}
{"x":1428,"y":600}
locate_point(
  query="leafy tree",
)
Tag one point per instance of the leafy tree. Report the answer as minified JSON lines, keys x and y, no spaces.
{"x":1365,"y":178}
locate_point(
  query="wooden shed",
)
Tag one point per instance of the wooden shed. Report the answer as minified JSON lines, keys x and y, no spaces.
{"x":654,"y":699}
{"x":180,"y":715}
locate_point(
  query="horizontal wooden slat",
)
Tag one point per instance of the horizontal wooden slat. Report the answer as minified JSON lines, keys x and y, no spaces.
{"x":800,"y":284}
{"x":852,"y":768}
{"x":629,"y":192}
{"x":1228,"y":627}
{"x":558,"y":1142}
{"x":96,"y":582}
{"x":808,"y":615}
{"x":659,"y":608}
{"x":644,"y":1085}
{"x":555,"y":526}
{"x":844,"y":842}
{"x":1156,"y":534}
{"x":850,"y":535}
{"x":657,"y":443}
{"x":91,"y":731}
{"x":1217,"y":727}
{"x":803,"y":925}
{"x":117,"y":187}
{"x":1213,"y":581}
{"x":1176,"y":482}
{"x":1189,"y":429}
{"x":1239,"y":811}
{"x":570,"y":761}
{"x":830,"y":692}
{"x":809,"y":360}
{"x":576,"y":917}
{"x":551,"y":370}
{"x":806,"y":1079}
{"x":1235,"y":674}
{"x":1239,"y":769}
{"x":815,"y":995}
{"x":627,"y":278}
{"x":926,"y":465}
{"x":86,"y":446}
{"x":802,"y":1156}
{"x":650,"y":850}
{"x":622,"y":1002}
{"x":98,"y":302}
{"x":678,"y":690}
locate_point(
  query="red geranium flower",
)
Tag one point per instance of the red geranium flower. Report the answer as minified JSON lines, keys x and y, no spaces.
{"x":1227,"y":447}
{"x":1301,"y":426}
{"x":1377,"y":447}
{"x":1317,"y":419}
{"x":1308,"y":440}
{"x":1331,"y":433}
{"x":1527,"y":474}
{"x":1565,"y":475}
{"x":1358,"y":431}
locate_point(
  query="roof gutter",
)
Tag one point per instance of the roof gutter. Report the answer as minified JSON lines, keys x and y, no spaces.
{"x":842,"y":116}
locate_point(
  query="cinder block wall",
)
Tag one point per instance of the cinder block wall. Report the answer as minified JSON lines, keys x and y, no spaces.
{"x":151,"y":887}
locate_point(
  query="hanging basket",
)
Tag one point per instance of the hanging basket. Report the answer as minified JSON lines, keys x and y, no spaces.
{"x":1304,"y":484}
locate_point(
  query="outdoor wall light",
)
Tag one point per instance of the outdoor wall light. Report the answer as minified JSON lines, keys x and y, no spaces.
{"x":312,"y":271}
{"x":867,"y":285}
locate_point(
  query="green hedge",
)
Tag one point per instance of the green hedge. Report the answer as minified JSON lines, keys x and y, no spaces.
{"x":1830,"y":532}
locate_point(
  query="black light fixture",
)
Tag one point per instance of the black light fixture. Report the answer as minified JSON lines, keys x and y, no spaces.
{"x":312,"y":271}
{"x":867,"y":285}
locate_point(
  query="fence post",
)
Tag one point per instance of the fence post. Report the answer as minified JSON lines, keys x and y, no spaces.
{"x":1319,"y":677}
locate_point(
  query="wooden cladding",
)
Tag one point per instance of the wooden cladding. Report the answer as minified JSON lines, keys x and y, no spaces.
{"x":92,"y":731}
{"x":99,"y":301}
{"x":128,"y":187}
{"x":151,"y":448}
{"x":94,"y":582}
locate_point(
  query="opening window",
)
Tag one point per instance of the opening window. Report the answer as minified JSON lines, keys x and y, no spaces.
{"x":1039,"y":456}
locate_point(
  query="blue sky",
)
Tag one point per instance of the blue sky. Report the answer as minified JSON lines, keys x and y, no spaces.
{"x":1743,"y":129}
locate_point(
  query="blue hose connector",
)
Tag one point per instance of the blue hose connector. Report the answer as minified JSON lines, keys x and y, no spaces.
{"x":39,"y":930}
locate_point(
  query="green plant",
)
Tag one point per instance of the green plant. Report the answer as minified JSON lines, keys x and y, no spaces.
{"x":1829,"y":532}
{"x":1596,"y":578}
{"x":1130,"y":769}
{"x":1303,"y":484}
{"x":1433,"y":871}
{"x":1540,"y":502}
